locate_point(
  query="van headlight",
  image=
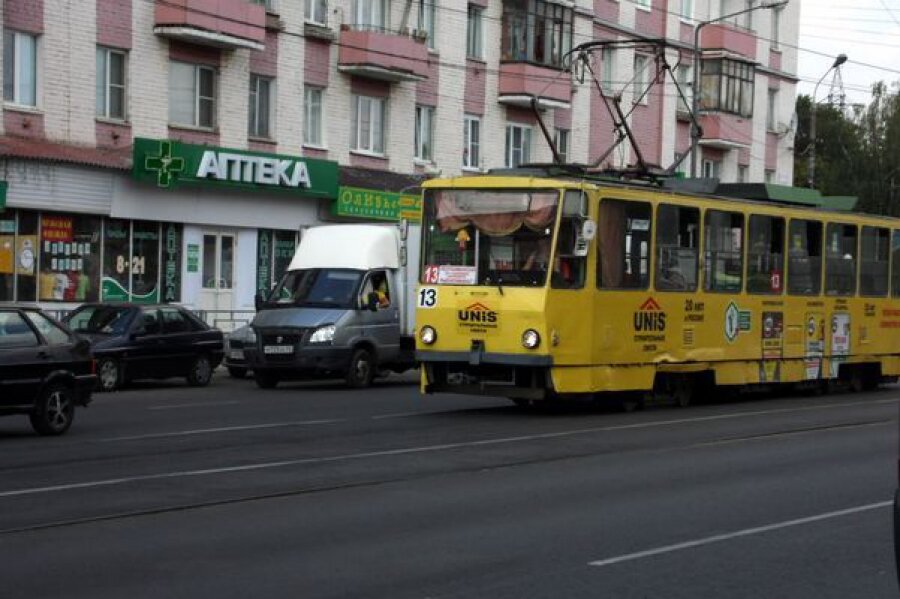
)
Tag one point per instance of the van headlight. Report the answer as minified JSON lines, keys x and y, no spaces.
{"x":427,"y":335}
{"x":323,"y":334}
{"x":530,"y":339}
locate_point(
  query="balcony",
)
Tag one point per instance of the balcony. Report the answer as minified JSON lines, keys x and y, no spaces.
{"x":729,"y":38}
{"x":384,"y":56}
{"x":522,"y":81}
{"x":726,"y":131}
{"x":229,"y":24}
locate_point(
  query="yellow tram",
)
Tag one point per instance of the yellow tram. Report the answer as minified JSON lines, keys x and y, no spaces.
{"x":536,"y":284}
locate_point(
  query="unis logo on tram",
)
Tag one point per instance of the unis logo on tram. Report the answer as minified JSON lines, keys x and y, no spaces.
{"x":477,"y":318}
{"x":649,"y":318}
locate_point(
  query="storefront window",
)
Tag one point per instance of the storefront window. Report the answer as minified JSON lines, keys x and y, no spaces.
{"x":285,"y":246}
{"x":145,"y":262}
{"x":7,"y":256}
{"x":171,"y":272}
{"x":27,"y":252}
{"x":70,"y":258}
{"x":116,"y":252}
{"x":274,"y":252}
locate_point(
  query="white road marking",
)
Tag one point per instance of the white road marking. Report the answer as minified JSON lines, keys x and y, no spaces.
{"x":224,"y":429}
{"x":398,"y":415}
{"x":738,"y":533}
{"x":372,"y":454}
{"x":194,"y":405}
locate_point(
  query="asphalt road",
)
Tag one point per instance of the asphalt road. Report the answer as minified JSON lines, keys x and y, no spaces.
{"x":312,"y":490}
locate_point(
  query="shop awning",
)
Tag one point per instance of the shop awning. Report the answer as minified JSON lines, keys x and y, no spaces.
{"x":38,"y":149}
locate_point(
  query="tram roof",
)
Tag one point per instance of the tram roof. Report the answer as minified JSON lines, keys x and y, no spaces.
{"x":575,"y":176}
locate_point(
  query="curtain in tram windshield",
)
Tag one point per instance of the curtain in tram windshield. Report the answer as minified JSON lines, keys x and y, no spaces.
{"x":496,"y":214}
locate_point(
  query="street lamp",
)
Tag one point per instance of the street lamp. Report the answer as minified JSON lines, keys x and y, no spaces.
{"x":696,"y":131}
{"x":811,"y":171}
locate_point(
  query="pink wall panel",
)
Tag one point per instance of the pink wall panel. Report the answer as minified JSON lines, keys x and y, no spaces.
{"x":370,"y":87}
{"x":317,"y":62}
{"x":194,"y":137}
{"x":607,"y":10}
{"x":195,"y":54}
{"x":111,"y":135}
{"x":23,"y":124}
{"x":114,"y":23}
{"x":652,"y":22}
{"x":24,"y":15}
{"x":265,"y":62}
{"x":427,"y":91}
{"x":368,"y":161}
{"x":475,"y":85}
{"x":771,"y":151}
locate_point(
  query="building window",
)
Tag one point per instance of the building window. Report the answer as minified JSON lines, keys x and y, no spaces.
{"x":110,"y":84}
{"x":471,"y":142}
{"x":645,"y":4}
{"x":19,"y":68}
{"x":746,"y":19}
{"x":316,"y":11}
{"x":685,"y":75}
{"x":771,"y":112}
{"x":727,"y":86}
{"x":269,"y":4}
{"x":711,"y":169}
{"x":426,"y":18}
{"x":424,"y":133}
{"x":742,"y":173}
{"x":776,"y":28}
{"x":312,"y":114}
{"x":687,"y":10}
{"x":192,"y":95}
{"x":640,"y":79}
{"x":367,"y":133}
{"x":369,"y":15}
{"x":536,"y":31}
{"x":607,"y":69}
{"x":770,"y":176}
{"x":262,"y":106}
{"x":562,"y":144}
{"x":473,"y":36}
{"x":518,"y":145}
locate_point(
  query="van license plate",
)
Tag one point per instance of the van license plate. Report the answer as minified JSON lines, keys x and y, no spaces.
{"x":278,"y":349}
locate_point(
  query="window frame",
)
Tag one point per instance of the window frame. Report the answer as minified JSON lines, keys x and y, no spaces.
{"x":862,"y":261}
{"x":727,"y":85}
{"x":855,"y":275}
{"x":749,"y":254}
{"x":16,"y":72}
{"x":772,"y":110}
{"x":311,"y":9}
{"x":639,"y":84}
{"x":475,"y":32}
{"x":253,"y":126}
{"x":312,"y":98}
{"x":524,"y":149}
{"x":467,"y":163}
{"x":607,"y":69}
{"x":359,"y":15}
{"x":106,"y":85}
{"x":817,"y":291}
{"x":895,"y":263}
{"x":536,"y":32}
{"x":424,"y":128}
{"x":426,"y":21}
{"x":375,"y":105}
{"x":646,"y":280}
{"x":708,"y":286}
{"x":687,"y":15}
{"x":562,"y":139}
{"x":35,"y":336}
{"x":198,"y":69}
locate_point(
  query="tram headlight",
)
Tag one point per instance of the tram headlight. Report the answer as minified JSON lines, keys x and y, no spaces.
{"x":427,"y":335}
{"x":530,"y":339}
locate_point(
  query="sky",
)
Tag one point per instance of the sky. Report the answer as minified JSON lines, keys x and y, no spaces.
{"x":867,"y":31}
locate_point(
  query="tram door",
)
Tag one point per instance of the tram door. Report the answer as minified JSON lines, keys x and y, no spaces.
{"x":815,"y":345}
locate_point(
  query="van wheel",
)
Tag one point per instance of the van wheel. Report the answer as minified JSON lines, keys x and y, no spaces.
{"x":265,"y":380}
{"x":54,"y":410}
{"x":362,"y":369}
{"x":109,"y":374}
{"x":200,"y":373}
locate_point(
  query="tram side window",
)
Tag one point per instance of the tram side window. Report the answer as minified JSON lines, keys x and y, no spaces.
{"x":840,"y":259}
{"x":677,"y":247}
{"x":568,"y":268}
{"x":624,"y":246}
{"x":873,"y":266}
{"x":765,"y":255}
{"x":805,"y":258}
{"x":724,"y":257}
{"x":895,"y":265}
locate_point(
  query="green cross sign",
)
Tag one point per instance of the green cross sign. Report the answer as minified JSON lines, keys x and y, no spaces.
{"x":166,"y":167}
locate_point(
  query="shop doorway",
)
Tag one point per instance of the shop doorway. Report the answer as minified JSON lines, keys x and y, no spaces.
{"x":219,"y":250}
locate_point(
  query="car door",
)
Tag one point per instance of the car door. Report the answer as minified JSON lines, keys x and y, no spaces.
{"x":178,"y":334}
{"x":24,"y":360}
{"x":146,"y":354}
{"x":383,"y":324}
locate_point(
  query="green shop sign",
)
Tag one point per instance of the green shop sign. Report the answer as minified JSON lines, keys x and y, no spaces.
{"x":3,"y":186}
{"x":167,"y":164}
{"x":378,"y":205}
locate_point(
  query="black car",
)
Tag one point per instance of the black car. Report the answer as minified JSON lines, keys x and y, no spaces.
{"x":45,"y":370}
{"x":237,"y":348}
{"x":132,"y":342}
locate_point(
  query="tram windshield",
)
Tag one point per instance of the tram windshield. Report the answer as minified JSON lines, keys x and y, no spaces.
{"x":488,"y":237}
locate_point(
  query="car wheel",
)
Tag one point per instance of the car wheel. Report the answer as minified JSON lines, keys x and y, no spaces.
{"x":54,"y":410}
{"x":200,"y":373}
{"x":362,"y":369}
{"x":109,"y":374}
{"x":237,"y":373}
{"x":265,"y":380}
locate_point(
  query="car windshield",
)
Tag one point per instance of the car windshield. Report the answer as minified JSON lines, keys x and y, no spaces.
{"x":322,"y":287}
{"x":488,"y":236}
{"x":104,"y":320}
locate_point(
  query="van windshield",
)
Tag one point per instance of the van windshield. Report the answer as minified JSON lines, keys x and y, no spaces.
{"x":317,"y":287}
{"x":488,"y":236}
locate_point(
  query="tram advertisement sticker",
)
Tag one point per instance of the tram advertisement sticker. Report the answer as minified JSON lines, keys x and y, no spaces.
{"x":478,"y":319}
{"x":736,"y":320}
{"x":772,"y":334}
{"x":457,"y":275}
{"x":649,"y":322}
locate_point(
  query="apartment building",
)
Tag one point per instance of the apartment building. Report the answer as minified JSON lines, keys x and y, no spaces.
{"x":171,"y":150}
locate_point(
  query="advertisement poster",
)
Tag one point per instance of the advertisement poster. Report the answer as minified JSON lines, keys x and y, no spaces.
{"x":63,"y":276}
{"x":772,"y":347}
{"x":840,"y":341}
{"x":815,"y":345}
